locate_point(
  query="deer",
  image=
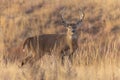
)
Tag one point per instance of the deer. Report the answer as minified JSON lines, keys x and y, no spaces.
{"x":67,"y":42}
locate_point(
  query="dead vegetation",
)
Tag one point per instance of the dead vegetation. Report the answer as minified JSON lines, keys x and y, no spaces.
{"x":99,"y":42}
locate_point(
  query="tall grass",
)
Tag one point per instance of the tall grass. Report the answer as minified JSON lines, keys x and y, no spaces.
{"x":97,"y":57}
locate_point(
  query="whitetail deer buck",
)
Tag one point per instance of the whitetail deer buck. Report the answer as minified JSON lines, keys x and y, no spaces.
{"x":42,"y":44}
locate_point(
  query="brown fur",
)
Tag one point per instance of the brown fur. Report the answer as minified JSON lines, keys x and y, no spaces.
{"x":39,"y":45}
{"x":42,"y":44}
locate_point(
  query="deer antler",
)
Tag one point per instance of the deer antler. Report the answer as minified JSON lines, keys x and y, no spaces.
{"x":68,"y":23}
{"x":81,"y":17}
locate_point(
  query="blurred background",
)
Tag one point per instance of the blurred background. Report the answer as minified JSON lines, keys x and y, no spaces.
{"x":20,"y":19}
{"x":99,"y":35}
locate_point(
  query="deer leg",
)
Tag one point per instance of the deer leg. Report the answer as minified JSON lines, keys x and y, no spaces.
{"x":62,"y":60}
{"x":5,"y":59}
{"x":26,"y":60}
{"x":71,"y":58}
{"x":62,"y":57}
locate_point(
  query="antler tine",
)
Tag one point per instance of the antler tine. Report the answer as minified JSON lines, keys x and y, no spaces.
{"x":81,"y":17}
{"x":63,"y":20}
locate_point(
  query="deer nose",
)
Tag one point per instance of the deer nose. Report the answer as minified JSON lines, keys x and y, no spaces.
{"x":73,"y":31}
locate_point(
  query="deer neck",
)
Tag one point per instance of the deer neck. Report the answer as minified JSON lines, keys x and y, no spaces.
{"x":75,"y":35}
{"x":69,"y":35}
{"x":69,"y":40}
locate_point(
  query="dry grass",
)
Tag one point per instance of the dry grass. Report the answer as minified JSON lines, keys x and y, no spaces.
{"x":99,"y":42}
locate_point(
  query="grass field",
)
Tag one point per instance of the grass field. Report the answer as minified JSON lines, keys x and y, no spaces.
{"x":97,"y":57}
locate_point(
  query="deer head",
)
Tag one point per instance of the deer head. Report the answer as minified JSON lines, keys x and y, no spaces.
{"x":72,"y":27}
